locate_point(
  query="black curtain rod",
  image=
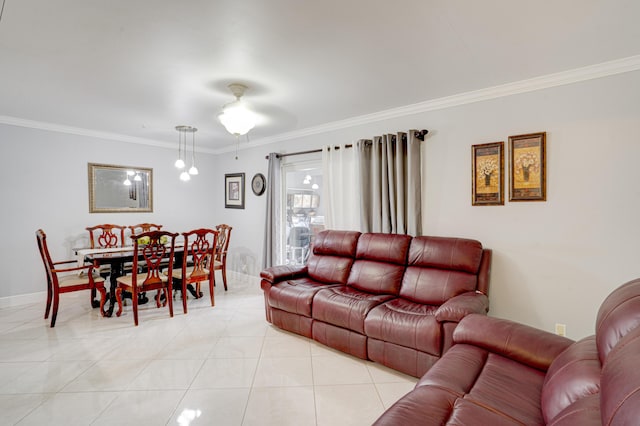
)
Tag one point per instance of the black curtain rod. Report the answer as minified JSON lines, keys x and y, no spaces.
{"x":420,"y":134}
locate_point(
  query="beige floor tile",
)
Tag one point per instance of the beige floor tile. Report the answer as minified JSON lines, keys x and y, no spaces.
{"x":277,"y":372}
{"x":167,"y":374}
{"x":223,"y":365}
{"x":343,"y":370}
{"x":347,"y":405}
{"x":70,"y":409}
{"x":15,"y":407}
{"x":288,"y":406}
{"x":220,"y":407}
{"x":150,"y":407}
{"x":226,"y":373}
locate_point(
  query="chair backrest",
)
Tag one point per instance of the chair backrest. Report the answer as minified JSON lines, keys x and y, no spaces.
{"x":199,"y":247}
{"x":41,"y":237}
{"x":149,"y":250}
{"x":144,"y":227}
{"x":224,"y":235}
{"x":106,"y":235}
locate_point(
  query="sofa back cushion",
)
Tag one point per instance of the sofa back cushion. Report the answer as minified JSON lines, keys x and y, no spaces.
{"x":573,"y":375}
{"x":440,"y":268}
{"x":620,"y":382}
{"x":332,"y":256}
{"x":380,"y":263}
{"x":618,"y":314}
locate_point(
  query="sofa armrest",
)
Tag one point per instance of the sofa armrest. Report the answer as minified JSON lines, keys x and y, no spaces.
{"x":276,"y":274}
{"x":531,"y":346}
{"x":458,"y":307}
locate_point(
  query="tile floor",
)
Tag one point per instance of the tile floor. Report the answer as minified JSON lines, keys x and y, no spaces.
{"x":224,"y":366}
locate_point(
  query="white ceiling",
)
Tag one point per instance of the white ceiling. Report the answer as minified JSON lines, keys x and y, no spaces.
{"x":138,"y":68}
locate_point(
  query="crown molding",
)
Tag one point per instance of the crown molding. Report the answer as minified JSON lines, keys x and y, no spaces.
{"x":605,"y":69}
{"x":577,"y":75}
{"x":79,"y":131}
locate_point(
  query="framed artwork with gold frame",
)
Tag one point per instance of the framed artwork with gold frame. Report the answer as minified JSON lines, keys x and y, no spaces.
{"x":487,"y":171}
{"x":528,"y":167}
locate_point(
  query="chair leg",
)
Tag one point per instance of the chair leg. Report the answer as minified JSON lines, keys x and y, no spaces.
{"x":168,"y":289}
{"x":224,"y":275}
{"x":103,"y":298}
{"x":119,"y":299}
{"x":213,"y":300}
{"x":49,"y":298}
{"x":184,"y":296}
{"x":134,"y":302}
{"x":54,"y":312}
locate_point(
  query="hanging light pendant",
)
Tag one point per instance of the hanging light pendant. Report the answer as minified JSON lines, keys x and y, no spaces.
{"x":180,"y":162}
{"x":182,"y":136}
{"x":235,"y":116}
{"x":193,"y":170}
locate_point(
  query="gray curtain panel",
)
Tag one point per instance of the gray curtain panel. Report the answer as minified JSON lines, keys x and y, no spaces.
{"x":390,"y":196}
{"x":272,"y":226}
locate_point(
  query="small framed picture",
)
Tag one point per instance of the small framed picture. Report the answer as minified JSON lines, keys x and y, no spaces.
{"x":487,"y":171}
{"x":234,"y":191}
{"x":528,"y":168}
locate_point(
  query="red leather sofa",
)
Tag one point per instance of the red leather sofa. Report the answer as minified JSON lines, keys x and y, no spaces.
{"x":389,"y":298}
{"x":503,"y":373}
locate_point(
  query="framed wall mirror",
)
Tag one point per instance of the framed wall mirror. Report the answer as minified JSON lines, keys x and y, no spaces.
{"x":120,"y":189}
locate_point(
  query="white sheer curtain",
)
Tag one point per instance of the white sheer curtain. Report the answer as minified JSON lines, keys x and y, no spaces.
{"x":341,"y":186}
{"x":389,"y":169}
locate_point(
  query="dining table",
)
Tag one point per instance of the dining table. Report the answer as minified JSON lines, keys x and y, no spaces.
{"x":116,"y":258}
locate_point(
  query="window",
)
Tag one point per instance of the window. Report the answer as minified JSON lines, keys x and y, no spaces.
{"x":303,"y":215}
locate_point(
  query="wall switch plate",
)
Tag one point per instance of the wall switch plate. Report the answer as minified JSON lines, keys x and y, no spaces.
{"x":561,"y":329}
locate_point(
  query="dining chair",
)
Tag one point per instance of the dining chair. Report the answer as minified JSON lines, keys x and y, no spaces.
{"x":61,"y":279}
{"x":106,"y":235}
{"x":197,"y":262}
{"x":144,"y":227}
{"x":149,"y":249}
{"x":220,"y":257}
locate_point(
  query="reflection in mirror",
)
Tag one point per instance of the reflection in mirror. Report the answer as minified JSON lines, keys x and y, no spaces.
{"x":115,"y":189}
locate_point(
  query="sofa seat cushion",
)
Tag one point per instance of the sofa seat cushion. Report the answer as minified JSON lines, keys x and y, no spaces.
{"x":345,"y":306}
{"x":405,"y":323}
{"x":295,"y":296}
{"x":482,"y":377}
{"x":433,"y":406}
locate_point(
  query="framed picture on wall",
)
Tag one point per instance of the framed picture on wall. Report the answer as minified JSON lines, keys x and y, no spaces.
{"x":528,"y":168}
{"x":487,"y":171}
{"x":234,"y":191}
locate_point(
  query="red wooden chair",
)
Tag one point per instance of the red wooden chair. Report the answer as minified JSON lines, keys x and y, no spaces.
{"x":149,"y":249}
{"x":106,"y":236}
{"x":220,"y":258}
{"x":197,"y":262}
{"x":144,"y":227}
{"x":62,"y":279}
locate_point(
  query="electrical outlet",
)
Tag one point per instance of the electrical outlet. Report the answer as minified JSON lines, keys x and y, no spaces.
{"x":561,"y":329}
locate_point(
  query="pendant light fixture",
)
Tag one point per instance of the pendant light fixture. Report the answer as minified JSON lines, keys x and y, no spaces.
{"x":181,"y":132}
{"x":193,"y":170}
{"x":182,"y":140}
{"x":235,"y":116}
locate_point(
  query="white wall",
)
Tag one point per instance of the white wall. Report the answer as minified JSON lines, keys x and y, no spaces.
{"x":554,"y":261}
{"x":45,"y":185}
